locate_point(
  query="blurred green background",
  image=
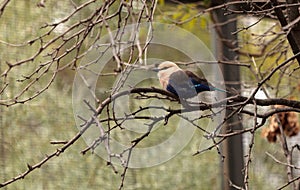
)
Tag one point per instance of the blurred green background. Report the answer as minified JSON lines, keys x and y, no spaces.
{"x":27,"y":129}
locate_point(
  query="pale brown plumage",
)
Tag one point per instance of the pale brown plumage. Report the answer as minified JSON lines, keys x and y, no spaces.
{"x":165,"y":70}
{"x":182,"y":83}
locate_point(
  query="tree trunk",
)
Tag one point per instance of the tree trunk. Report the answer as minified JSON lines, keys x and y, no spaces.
{"x":232,"y":148}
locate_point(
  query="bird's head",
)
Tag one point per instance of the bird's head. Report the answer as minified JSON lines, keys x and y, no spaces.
{"x":166,"y":65}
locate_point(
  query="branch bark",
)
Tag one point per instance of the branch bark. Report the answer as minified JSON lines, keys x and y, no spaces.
{"x":293,"y":36}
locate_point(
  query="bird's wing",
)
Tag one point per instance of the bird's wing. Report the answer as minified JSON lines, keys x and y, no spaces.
{"x":201,"y":84}
{"x":180,"y":79}
{"x":182,"y":84}
{"x":197,"y":80}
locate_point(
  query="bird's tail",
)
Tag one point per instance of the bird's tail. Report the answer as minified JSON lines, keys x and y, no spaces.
{"x":218,"y":89}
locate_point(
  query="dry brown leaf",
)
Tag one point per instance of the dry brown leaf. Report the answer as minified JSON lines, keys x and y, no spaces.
{"x":289,"y":122}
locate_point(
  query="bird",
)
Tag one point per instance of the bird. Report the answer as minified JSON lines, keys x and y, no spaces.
{"x":182,"y":83}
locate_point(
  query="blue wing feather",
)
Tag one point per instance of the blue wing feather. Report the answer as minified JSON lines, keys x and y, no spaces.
{"x":171,"y":89}
{"x":201,"y":84}
{"x":187,"y":84}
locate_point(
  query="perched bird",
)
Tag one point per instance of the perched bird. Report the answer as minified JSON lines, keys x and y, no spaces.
{"x":184,"y":84}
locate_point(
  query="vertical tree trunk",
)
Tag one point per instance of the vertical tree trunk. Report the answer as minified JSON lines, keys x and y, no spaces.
{"x":232,"y":148}
{"x":293,"y":16}
{"x":293,"y":35}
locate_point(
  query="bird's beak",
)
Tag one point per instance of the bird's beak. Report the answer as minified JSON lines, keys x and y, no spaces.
{"x":155,"y":68}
